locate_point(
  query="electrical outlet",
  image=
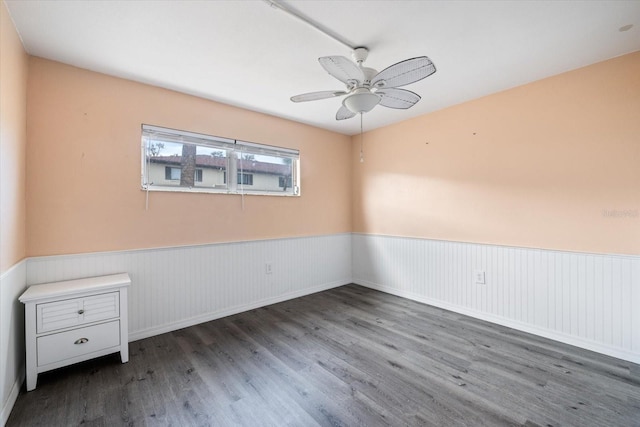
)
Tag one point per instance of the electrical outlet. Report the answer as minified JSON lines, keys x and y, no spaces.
{"x":267,"y":268}
{"x":479,"y":277}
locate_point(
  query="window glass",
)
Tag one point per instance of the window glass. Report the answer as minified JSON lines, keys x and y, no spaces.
{"x":265,"y":172}
{"x":183,"y":161}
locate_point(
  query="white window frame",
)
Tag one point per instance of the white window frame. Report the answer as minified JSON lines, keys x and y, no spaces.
{"x":234,"y":149}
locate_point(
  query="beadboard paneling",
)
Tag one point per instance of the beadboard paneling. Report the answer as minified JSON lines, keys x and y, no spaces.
{"x":587,"y":300}
{"x":181,"y":286}
{"x":12,"y":284}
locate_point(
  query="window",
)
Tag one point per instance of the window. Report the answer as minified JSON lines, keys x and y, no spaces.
{"x":174,"y":160}
{"x":284,"y":181}
{"x":245,"y":178}
{"x":173,"y":174}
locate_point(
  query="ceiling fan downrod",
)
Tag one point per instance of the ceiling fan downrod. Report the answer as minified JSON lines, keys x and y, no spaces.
{"x":318,"y":27}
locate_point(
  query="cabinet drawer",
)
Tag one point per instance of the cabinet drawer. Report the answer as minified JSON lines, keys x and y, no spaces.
{"x":77,"y":311}
{"x":66,"y":345}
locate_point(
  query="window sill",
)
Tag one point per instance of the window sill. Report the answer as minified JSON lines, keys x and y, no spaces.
{"x":219,"y":191}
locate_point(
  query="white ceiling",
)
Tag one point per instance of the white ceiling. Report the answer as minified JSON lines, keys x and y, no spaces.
{"x":251,"y":55}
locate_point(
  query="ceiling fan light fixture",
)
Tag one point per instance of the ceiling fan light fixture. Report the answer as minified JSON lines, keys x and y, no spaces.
{"x":361,"y":102}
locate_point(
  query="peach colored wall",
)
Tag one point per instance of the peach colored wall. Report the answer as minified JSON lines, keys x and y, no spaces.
{"x":552,"y":164}
{"x":13,"y":99}
{"x":83,"y":174}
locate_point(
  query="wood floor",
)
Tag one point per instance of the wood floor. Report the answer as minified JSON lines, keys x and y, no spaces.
{"x":349,"y":356}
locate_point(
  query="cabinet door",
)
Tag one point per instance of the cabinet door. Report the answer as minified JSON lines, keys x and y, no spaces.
{"x":72,"y":312}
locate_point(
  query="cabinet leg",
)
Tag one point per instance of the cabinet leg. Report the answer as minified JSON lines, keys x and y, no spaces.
{"x":124,"y":353}
{"x":32,"y":379}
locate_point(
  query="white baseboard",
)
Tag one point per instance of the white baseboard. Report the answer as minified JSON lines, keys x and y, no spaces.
{"x":11,"y":399}
{"x":520,"y":326}
{"x":172,"y":288}
{"x":586,"y":300}
{"x":583,"y":299}
{"x":138,"y":335}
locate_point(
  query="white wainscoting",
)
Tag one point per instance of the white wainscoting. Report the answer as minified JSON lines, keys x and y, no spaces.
{"x":172,"y":288}
{"x":12,"y":284}
{"x":587,"y":300}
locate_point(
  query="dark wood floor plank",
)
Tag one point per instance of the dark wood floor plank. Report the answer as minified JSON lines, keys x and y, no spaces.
{"x":398,"y":371}
{"x":330,"y":411}
{"x":254,"y":383}
{"x":348,"y":356}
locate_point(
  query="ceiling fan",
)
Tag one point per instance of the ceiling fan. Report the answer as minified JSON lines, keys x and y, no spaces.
{"x":367,"y":88}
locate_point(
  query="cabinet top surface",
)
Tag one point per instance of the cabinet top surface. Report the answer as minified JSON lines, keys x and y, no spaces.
{"x":69,"y":287}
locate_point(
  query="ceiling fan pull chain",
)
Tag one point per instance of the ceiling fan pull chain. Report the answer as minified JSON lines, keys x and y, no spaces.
{"x":361,"y":141}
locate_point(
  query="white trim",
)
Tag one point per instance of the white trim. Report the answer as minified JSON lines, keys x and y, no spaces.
{"x":347,"y":275}
{"x":11,"y":269}
{"x":580,"y":299}
{"x":163,"y":130}
{"x":514,"y":324}
{"x":13,"y":396}
{"x":225,"y":191}
{"x":180,"y":286}
{"x":497,"y":245}
{"x":170,"y":248}
{"x":138,"y":335}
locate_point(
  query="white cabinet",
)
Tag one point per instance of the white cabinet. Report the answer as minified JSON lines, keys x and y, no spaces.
{"x":68,"y":322}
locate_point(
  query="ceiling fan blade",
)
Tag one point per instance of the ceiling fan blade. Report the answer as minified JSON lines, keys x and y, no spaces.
{"x":314,"y":96}
{"x":344,"y":113}
{"x":404,"y":73}
{"x":342,"y":68}
{"x":398,"y":98}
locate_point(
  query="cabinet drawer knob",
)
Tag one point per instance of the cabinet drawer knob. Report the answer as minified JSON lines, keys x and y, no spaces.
{"x":80,"y":311}
{"x":81,"y":341}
